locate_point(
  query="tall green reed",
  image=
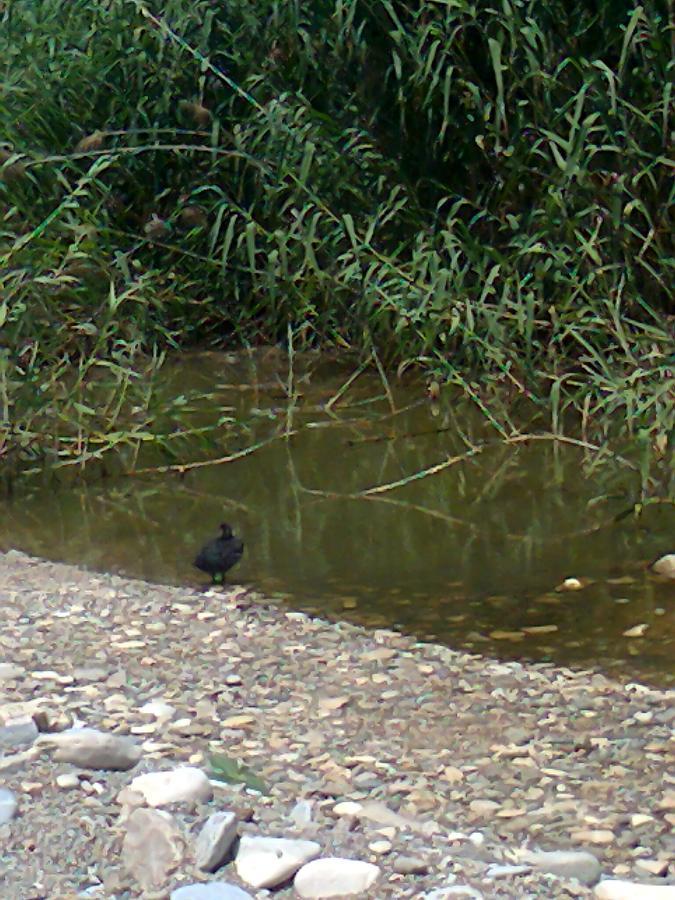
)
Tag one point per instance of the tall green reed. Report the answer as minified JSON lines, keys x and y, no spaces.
{"x":485,"y":193}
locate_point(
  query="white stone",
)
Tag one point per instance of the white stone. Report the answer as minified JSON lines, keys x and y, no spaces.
{"x":153,"y":847}
{"x":7,"y":805}
{"x":335,"y":877}
{"x":665,"y":566}
{"x":612,"y":889}
{"x":410,"y":865}
{"x":570,"y":584}
{"x":67,"y":780}
{"x":184,"y":784}
{"x":92,"y":749}
{"x":657,"y":867}
{"x":577,"y":864}
{"x":214,"y":840}
{"x":18,"y":733}
{"x":302,"y":812}
{"x":347,"y":808}
{"x":266,"y":862}
{"x":380,"y":847}
{"x":381,"y":814}
{"x":8,"y":671}
{"x":457,"y":890}
{"x":214,"y":890}
{"x":159,"y":710}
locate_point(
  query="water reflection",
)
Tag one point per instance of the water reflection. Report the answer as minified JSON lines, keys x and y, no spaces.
{"x":470,"y":555}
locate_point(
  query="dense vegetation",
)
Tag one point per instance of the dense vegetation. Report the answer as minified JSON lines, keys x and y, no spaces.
{"x":482,"y":190}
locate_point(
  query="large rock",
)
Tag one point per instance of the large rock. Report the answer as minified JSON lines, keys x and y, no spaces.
{"x":266,"y":862}
{"x":214,"y":840}
{"x":181,"y":785}
{"x":335,"y":877}
{"x":665,"y":566}
{"x":153,"y":847}
{"x":92,"y":749}
{"x":577,"y":864}
{"x":214,"y":890}
{"x":633,"y":890}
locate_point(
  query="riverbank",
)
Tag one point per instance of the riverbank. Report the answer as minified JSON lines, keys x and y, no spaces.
{"x":442,"y":770}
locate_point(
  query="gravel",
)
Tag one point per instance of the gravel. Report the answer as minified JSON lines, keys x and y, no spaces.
{"x":449,"y":773}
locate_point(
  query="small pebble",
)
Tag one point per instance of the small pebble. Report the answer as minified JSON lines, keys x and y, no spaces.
{"x":410,"y":865}
{"x":67,"y":780}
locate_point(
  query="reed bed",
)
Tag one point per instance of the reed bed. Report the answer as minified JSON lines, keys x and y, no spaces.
{"x":481,"y":192}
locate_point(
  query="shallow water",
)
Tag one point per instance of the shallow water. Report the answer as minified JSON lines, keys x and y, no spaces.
{"x":470,"y":556}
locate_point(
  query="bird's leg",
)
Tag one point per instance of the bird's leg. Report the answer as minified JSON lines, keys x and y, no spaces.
{"x":217,"y":578}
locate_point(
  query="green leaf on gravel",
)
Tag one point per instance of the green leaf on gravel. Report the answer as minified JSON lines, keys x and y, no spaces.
{"x":223,"y":768}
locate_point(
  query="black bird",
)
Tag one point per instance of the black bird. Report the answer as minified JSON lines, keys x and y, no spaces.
{"x":220,"y":554}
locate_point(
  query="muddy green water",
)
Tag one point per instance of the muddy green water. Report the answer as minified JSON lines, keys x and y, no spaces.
{"x":470,"y":556}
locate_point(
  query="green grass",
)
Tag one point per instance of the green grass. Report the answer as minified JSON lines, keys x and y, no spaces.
{"x":484,"y":192}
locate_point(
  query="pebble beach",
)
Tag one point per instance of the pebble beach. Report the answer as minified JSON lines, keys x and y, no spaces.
{"x":357,"y":763}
